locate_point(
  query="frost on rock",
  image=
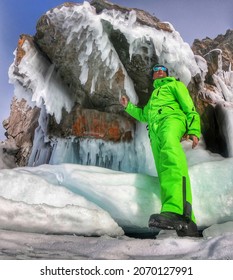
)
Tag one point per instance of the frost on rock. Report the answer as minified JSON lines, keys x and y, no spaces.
{"x":38,"y":83}
{"x":89,"y":69}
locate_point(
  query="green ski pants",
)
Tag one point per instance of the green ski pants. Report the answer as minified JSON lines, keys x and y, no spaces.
{"x":171,"y":165}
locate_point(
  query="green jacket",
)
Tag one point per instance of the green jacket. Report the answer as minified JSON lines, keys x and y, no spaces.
{"x":170,"y":97}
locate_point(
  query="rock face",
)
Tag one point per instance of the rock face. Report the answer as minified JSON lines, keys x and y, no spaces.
{"x":69,"y":77}
{"x":21,"y":126}
{"x":93,"y":124}
{"x":215,"y":95}
{"x":67,"y":49}
{"x":210,"y":49}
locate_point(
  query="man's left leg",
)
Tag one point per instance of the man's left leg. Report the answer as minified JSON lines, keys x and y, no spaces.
{"x":172,"y":170}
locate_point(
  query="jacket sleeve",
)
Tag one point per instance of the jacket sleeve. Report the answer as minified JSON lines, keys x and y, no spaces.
{"x":193,"y":119}
{"x":140,"y":114}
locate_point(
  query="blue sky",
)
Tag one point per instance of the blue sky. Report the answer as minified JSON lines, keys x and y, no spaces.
{"x":194,"y":19}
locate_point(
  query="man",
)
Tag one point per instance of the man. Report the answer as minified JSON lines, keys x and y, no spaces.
{"x":171,"y":116}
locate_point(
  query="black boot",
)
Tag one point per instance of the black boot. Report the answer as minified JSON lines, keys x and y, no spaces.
{"x":169,"y":220}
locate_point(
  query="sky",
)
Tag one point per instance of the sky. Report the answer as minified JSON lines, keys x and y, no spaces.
{"x":192,"y":19}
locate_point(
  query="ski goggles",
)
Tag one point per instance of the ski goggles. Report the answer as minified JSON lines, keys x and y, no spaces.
{"x":157,"y":68}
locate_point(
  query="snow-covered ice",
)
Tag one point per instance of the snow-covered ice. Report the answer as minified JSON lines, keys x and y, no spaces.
{"x":167,"y":246}
{"x":68,"y":196}
{"x":71,"y":211}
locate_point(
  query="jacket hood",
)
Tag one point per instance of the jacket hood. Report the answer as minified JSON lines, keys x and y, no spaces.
{"x":162,"y":81}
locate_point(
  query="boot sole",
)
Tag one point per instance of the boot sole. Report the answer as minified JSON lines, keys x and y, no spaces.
{"x":167,"y":225}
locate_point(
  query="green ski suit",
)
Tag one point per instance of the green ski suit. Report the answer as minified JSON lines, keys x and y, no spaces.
{"x":170,"y":113}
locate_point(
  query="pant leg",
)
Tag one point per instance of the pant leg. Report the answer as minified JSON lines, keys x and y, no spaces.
{"x":172,"y":166}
